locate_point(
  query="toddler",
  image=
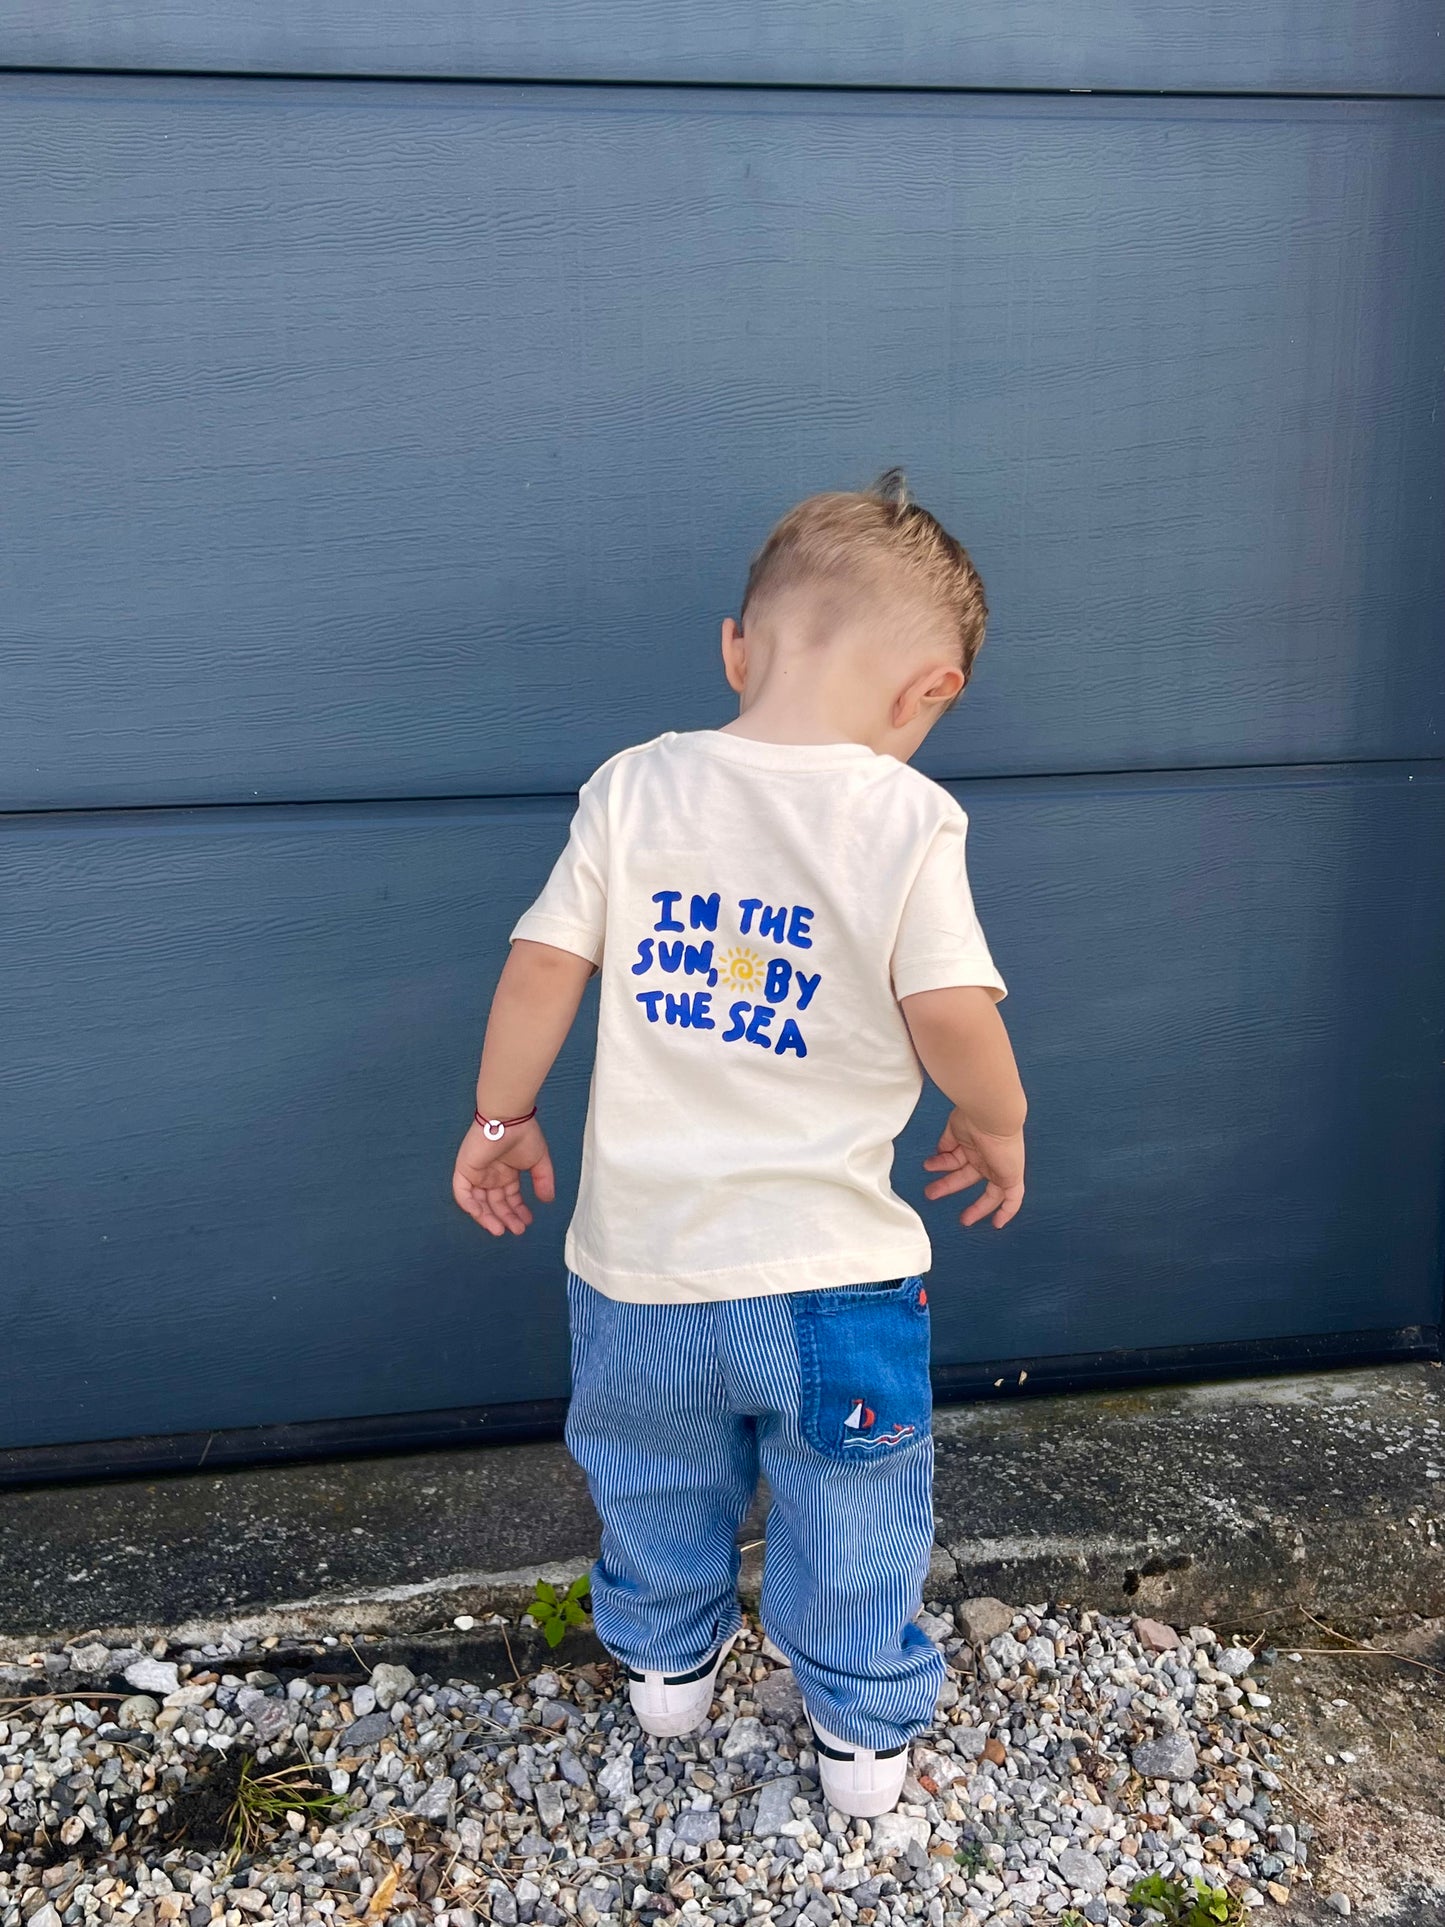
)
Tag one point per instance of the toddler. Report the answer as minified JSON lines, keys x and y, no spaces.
{"x":781,"y":917}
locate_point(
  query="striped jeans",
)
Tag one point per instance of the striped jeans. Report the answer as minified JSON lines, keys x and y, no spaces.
{"x":675,"y":1410}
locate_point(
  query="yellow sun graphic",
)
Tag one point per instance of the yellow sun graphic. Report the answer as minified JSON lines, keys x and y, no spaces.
{"x":741,"y":969}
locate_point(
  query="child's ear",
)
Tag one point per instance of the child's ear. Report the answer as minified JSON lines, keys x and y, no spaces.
{"x":734,"y":655}
{"x":935,"y":688}
{"x":947,"y":686}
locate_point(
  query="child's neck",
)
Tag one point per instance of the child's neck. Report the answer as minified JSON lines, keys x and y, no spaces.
{"x":770,"y":723}
{"x":807,"y":695}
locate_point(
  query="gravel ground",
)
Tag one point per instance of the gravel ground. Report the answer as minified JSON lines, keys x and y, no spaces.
{"x":1365,"y":1735}
{"x":1073,"y":1754}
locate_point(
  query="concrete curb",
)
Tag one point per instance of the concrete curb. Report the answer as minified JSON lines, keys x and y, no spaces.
{"x":1235,"y":1505}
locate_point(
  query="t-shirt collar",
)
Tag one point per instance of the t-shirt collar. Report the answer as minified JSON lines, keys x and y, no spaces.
{"x":779,"y":756}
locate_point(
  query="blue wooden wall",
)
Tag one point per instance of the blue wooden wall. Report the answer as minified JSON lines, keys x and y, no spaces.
{"x":1259,"y":46}
{"x":379,"y":455}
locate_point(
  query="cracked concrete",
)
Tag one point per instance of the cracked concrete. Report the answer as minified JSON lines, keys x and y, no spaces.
{"x":1227,"y":1503}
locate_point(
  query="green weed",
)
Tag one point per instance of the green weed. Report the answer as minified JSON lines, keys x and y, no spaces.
{"x":1183,"y":1906}
{"x":554,"y":1612}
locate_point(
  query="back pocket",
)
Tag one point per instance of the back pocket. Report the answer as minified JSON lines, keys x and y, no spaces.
{"x":863,"y":1369}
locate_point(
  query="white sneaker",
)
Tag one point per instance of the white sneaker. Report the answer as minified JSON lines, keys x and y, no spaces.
{"x":668,"y":1704}
{"x":855,"y":1781}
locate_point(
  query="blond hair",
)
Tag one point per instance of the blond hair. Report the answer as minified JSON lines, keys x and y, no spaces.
{"x":879,"y":537}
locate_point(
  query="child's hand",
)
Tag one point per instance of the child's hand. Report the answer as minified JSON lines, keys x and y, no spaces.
{"x":487,"y":1182}
{"x":970,"y":1156}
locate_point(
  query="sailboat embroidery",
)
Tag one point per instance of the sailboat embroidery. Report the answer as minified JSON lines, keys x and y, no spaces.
{"x":861,"y":1418}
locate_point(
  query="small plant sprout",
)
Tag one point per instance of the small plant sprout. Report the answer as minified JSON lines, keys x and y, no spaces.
{"x":1177,"y":1904}
{"x":555,"y":1611}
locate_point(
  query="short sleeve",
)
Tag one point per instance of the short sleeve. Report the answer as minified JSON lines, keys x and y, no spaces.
{"x":940,"y":943}
{"x":571,"y":912}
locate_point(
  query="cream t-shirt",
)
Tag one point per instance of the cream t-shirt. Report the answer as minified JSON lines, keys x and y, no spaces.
{"x":757,"y":910}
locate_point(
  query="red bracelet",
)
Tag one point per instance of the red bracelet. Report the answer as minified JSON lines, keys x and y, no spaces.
{"x":493,"y":1127}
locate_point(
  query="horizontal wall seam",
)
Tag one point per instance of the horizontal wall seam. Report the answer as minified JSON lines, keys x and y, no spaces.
{"x":659,"y":85}
{"x":1200,"y":771}
{"x":1001,"y":1381}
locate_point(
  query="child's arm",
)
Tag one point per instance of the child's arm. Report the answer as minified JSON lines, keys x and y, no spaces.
{"x":533,"y":1007}
{"x":962,"y":1044}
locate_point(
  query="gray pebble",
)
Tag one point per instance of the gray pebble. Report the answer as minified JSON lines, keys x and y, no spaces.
{"x":743,"y":1737}
{"x":892,"y":1833}
{"x":153,"y":1676}
{"x":615,"y":1781}
{"x":270,"y":1717}
{"x":366,"y":1731}
{"x":1168,"y":1757}
{"x":694,"y":1827}
{"x":1084,"y":1870}
{"x":779,"y":1697}
{"x":775,"y":1807}
{"x":391,"y":1683}
{"x":527,"y":1893}
{"x":983,"y":1619}
{"x":437,"y":1801}
{"x":551,"y":1806}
